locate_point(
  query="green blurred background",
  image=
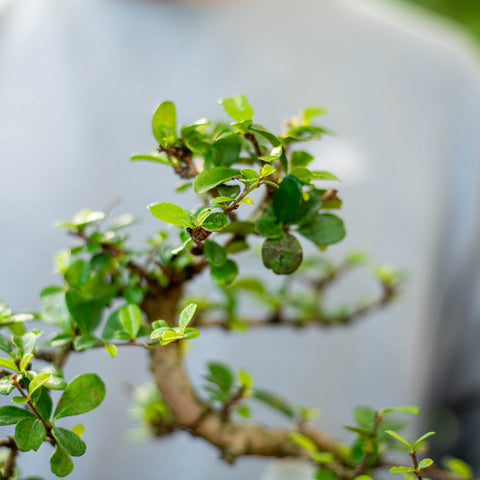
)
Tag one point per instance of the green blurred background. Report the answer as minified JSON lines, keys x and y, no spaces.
{"x":465,"y":12}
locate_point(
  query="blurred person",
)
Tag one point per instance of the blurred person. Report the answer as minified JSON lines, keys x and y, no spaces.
{"x":78,"y":82}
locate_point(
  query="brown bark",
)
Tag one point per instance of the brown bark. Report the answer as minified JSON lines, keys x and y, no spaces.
{"x":233,"y":439}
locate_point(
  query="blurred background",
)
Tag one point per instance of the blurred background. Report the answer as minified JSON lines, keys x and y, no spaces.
{"x":79,"y":81}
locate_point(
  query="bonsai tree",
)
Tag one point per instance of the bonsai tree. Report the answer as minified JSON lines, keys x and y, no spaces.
{"x":255,"y":189}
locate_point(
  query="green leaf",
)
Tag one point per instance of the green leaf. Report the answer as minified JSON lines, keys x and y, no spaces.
{"x":325,"y":474}
{"x":421,"y":440}
{"x":29,"y":434}
{"x":214,"y":222}
{"x":186,"y":316}
{"x":131,"y":318}
{"x":282,"y":255}
{"x":77,"y":273}
{"x":237,"y":107}
{"x":401,"y":469}
{"x":37,"y":382}
{"x":425,"y":463}
{"x":214,"y":253}
{"x":225,"y":274}
{"x":83,"y":393}
{"x":311,"y":112}
{"x":152,"y":158}
{"x":70,"y":441}
{"x":270,"y":137}
{"x":54,"y":382}
{"x":164,"y":124}
{"x":6,"y":386}
{"x":458,"y":466}
{"x":7,"y":363}
{"x":19,"y":400}
{"x":225,"y":151}
{"x":221,"y":375}
{"x":324,"y":229}
{"x":323,"y":457}
{"x":213,"y":177}
{"x":404,"y":409}
{"x":173,"y":214}
{"x":43,"y":403}
{"x":5,"y":345}
{"x":300,"y":159}
{"x":190,"y":333}
{"x":85,"y":342}
{"x":113,"y":328}
{"x":364,"y":416}
{"x":269,"y":227}
{"x":111,"y":349}
{"x":86,"y":314}
{"x":60,"y":462}
{"x":323,"y":176}
{"x":274,"y":401}
{"x":399,"y":438}
{"x":286,"y":198}
{"x":26,"y":343}
{"x":245,"y":378}
{"x":81,"y":219}
{"x":133,"y":294}
{"x":304,"y":443}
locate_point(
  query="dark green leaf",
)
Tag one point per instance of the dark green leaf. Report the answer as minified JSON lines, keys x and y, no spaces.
{"x":113,"y":328}
{"x":77,"y":273}
{"x":286,"y":198}
{"x":282,"y":255}
{"x":5,"y":345}
{"x":225,"y":151}
{"x":29,"y":434}
{"x":325,"y":474}
{"x":60,"y":462}
{"x":43,"y":403}
{"x":164,"y":123}
{"x":83,"y":393}
{"x":133,"y":294}
{"x":70,"y":441}
{"x":224,"y":274}
{"x":324,"y":229}
{"x":10,"y":415}
{"x":214,"y":253}
{"x":173,"y":214}
{"x":230,"y":191}
{"x":238,"y":108}
{"x":213,"y":177}
{"x":221,"y":375}
{"x":86,"y":314}
{"x":268,"y":227}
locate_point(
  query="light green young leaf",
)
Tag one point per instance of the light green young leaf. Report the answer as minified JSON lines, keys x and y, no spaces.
{"x":425,"y":463}
{"x":111,"y":349}
{"x":304,"y":443}
{"x":37,"y":382}
{"x":458,"y":466}
{"x":131,"y":318}
{"x":401,"y":469}
{"x":186,"y":316}
{"x":399,"y":438}
{"x":237,"y":107}
{"x":245,"y":378}
{"x":152,"y":158}
{"x":164,"y":123}
{"x":173,"y":214}
{"x":405,"y":409}
{"x":7,"y":363}
{"x":25,"y":361}
{"x":422,"y":439}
